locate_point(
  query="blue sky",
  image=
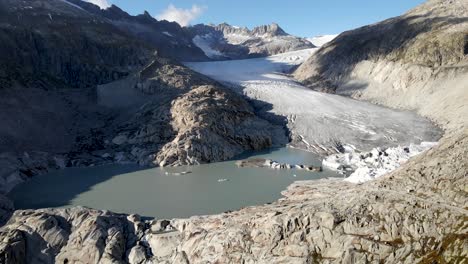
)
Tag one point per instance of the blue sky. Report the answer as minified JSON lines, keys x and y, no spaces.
{"x":299,"y":17}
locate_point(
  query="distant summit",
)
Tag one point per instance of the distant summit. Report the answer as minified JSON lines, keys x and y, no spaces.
{"x":224,"y":41}
{"x":272,"y":30}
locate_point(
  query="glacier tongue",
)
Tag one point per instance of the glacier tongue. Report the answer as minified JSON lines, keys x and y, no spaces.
{"x":316,"y":121}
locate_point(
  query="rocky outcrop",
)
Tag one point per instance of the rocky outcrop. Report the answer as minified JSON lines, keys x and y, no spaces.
{"x":205,"y":124}
{"x":215,"y":124}
{"x":187,"y":119}
{"x":415,"y":215}
{"x":272,"y":30}
{"x":224,"y":41}
{"x":163,"y":76}
{"x":415,"y":61}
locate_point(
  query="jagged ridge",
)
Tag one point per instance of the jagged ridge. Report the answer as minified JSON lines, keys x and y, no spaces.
{"x":226,"y":41}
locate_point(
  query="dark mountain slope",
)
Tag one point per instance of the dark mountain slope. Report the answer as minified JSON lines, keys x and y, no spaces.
{"x":170,"y":39}
{"x":44,"y":43}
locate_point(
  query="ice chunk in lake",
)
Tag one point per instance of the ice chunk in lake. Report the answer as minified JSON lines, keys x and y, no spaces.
{"x":366,"y":166}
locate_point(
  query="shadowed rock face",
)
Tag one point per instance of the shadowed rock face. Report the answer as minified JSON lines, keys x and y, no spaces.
{"x":414,"y":215}
{"x":40,"y":42}
{"x":169,"y":38}
{"x":415,"y":61}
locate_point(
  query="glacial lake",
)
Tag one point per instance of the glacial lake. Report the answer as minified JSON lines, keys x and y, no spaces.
{"x":162,"y":192}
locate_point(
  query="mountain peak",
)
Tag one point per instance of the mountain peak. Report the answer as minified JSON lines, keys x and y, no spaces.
{"x":272,"y":29}
{"x":146,"y":14}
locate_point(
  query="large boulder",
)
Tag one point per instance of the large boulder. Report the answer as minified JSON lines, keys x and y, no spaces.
{"x":214,"y":124}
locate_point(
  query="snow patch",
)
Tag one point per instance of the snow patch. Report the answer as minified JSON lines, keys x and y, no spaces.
{"x":204,"y":45}
{"x":319,"y":41}
{"x":103,"y":4}
{"x":71,"y":4}
{"x":236,"y":39}
{"x":167,"y":34}
{"x":366,"y":166}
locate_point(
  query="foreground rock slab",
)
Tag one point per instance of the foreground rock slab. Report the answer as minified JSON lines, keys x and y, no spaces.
{"x":416,"y":214}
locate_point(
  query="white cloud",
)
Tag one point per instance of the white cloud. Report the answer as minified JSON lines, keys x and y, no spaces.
{"x":180,"y":15}
{"x":103,"y":4}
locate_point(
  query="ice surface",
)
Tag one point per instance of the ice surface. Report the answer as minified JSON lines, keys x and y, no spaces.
{"x":319,"y":41}
{"x":317,"y":121}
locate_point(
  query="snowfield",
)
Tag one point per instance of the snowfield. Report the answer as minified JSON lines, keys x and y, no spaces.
{"x":318,"y":122}
{"x":204,"y":45}
{"x":319,"y":41}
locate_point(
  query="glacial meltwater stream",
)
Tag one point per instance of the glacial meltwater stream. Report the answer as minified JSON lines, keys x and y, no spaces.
{"x":164,"y":192}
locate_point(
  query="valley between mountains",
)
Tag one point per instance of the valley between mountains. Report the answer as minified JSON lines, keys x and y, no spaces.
{"x":378,"y":116}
